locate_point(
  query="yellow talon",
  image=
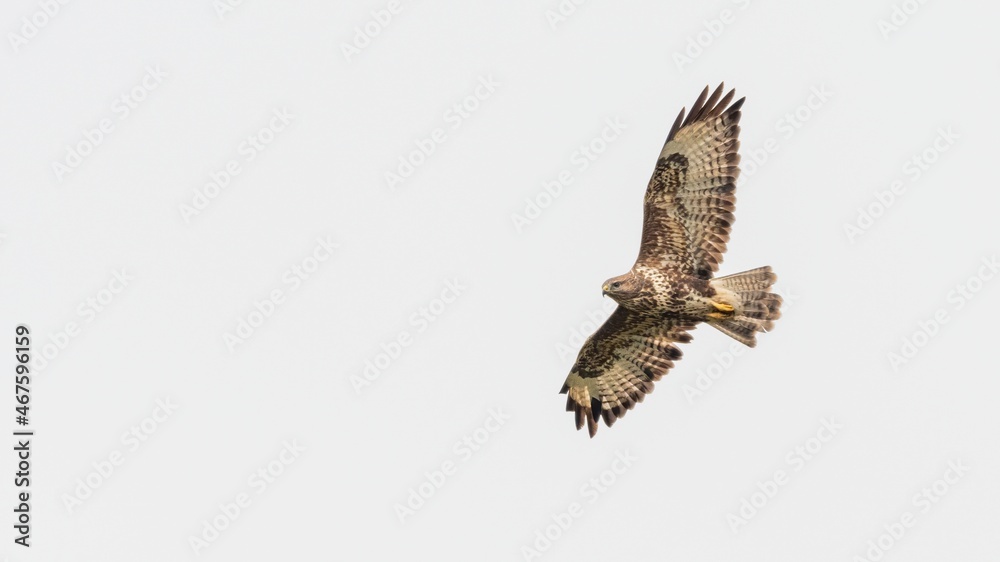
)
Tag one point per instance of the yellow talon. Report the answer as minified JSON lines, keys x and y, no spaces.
{"x":722,"y":307}
{"x":722,"y":310}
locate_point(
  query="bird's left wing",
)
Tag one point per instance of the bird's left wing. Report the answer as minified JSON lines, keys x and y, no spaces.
{"x":690,"y":199}
{"x":618,"y":364}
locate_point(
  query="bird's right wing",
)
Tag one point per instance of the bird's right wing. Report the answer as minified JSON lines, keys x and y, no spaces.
{"x":618,"y":364}
{"x":690,"y":198}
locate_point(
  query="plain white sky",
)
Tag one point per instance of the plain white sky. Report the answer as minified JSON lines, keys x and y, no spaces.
{"x":304,"y":280}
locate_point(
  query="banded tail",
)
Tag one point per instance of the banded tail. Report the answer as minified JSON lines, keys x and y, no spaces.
{"x":755,"y":307}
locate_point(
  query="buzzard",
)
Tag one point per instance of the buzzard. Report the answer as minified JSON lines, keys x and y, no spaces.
{"x":672,"y":287}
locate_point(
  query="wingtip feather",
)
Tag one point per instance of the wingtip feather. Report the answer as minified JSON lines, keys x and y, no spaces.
{"x":677,"y":125}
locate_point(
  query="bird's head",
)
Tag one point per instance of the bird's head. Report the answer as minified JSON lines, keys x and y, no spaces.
{"x":624,"y":287}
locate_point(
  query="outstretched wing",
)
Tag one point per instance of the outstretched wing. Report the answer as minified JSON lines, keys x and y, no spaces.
{"x":619,"y":363}
{"x":690,"y":199}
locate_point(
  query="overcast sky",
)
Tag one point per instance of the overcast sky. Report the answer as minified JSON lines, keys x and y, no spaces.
{"x":303,"y":281}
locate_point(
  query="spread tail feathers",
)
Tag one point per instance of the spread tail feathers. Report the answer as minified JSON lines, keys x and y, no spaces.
{"x":756,"y":308}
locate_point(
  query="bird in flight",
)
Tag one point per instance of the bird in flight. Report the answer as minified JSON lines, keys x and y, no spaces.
{"x":688,"y":212}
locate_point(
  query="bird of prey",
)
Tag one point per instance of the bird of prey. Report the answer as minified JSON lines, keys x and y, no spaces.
{"x":672,"y":287}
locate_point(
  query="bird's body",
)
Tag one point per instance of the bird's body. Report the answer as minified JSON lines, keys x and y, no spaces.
{"x":682,"y":295}
{"x":671,"y":288}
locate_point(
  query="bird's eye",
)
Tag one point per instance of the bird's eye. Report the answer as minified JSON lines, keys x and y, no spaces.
{"x":615,"y":285}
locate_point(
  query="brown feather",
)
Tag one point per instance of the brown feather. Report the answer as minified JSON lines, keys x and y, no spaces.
{"x":690,"y":199}
{"x":619,"y":363}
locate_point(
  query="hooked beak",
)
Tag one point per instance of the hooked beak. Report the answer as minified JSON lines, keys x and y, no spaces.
{"x":604,"y":290}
